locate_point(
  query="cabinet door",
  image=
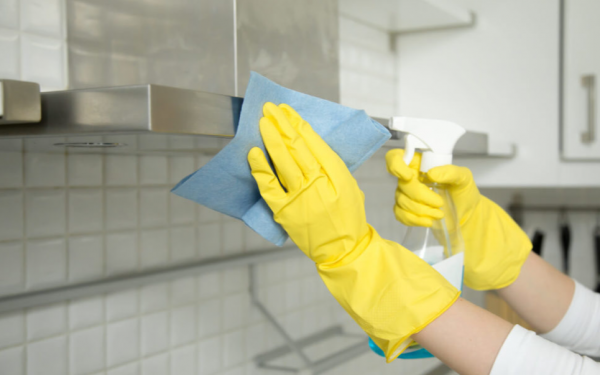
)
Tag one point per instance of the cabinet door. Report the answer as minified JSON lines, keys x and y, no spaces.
{"x":581,"y":76}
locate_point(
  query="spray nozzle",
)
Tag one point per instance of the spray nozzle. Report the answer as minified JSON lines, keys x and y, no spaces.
{"x":435,"y":138}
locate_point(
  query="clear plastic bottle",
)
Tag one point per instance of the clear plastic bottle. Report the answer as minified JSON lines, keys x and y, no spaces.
{"x":434,"y":245}
{"x":441,"y":245}
{"x":443,"y":239}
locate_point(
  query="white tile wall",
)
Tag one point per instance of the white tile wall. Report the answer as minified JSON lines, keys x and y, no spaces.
{"x":72,"y":216}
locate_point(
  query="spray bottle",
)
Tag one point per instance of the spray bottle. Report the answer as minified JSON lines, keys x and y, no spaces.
{"x":442,"y":245}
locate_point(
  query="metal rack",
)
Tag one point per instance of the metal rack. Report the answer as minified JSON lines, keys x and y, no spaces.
{"x":112,"y":284}
{"x":308,"y":366}
{"x":264,"y":360}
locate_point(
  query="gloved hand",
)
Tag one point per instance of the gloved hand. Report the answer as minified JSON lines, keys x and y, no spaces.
{"x":495,"y":246}
{"x":391,"y":293}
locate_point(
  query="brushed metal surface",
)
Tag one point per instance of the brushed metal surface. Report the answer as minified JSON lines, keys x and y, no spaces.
{"x":294,"y":43}
{"x":180,"y":43}
{"x":133,"y":109}
{"x":19,"y":102}
{"x":153,"y":109}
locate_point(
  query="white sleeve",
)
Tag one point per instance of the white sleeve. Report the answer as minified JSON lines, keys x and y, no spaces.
{"x":579,"y":329}
{"x":524,"y":352}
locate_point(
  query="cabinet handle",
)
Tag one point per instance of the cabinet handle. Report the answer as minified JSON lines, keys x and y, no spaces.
{"x":589,"y":82}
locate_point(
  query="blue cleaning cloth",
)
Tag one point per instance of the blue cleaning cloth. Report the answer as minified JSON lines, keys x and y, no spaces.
{"x":225,"y":183}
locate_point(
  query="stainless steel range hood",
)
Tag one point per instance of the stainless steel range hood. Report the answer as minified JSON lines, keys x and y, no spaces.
{"x":154,"y":109}
{"x":131,"y":110}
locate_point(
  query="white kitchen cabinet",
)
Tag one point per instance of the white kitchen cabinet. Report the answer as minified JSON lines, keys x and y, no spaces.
{"x":500,"y":77}
{"x":403,"y":16}
{"x":581,"y":72}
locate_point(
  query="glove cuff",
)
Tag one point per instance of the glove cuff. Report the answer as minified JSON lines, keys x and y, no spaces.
{"x":390,"y":292}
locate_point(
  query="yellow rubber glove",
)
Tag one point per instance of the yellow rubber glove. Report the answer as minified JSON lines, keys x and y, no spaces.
{"x":391,"y":293}
{"x":495,"y":246}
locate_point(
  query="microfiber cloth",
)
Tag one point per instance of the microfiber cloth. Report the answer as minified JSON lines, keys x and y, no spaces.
{"x":225,"y":183}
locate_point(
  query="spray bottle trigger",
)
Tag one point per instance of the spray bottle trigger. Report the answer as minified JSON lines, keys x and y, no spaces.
{"x":410,"y":145}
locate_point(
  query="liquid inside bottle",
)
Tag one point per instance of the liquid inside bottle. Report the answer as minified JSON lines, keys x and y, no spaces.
{"x":442,"y":241}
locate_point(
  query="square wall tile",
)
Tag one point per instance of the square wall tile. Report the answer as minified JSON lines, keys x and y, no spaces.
{"x":9,"y":45}
{"x":182,"y":210}
{"x":275,"y":272}
{"x":183,"y":243}
{"x":235,"y":309}
{"x":293,"y":294}
{"x":12,"y":276}
{"x":154,"y":204}
{"x":85,"y":210}
{"x":44,"y":17}
{"x":183,"y":360}
{"x":240,"y":370}
{"x":233,"y":237}
{"x":235,"y":280}
{"x":46,"y":321}
{"x":276,"y":298}
{"x":11,"y":161}
{"x":153,"y":170}
{"x":122,"y":342}
{"x":11,"y":361}
{"x":209,"y":318}
{"x":155,"y":333}
{"x":12,"y":326}
{"x":121,"y":252}
{"x":48,"y":357}
{"x":183,"y":291}
{"x":209,"y":285}
{"x":46,"y":263}
{"x":121,"y":305}
{"x":86,"y":258}
{"x":121,"y":170}
{"x":86,"y":312}
{"x":128,"y":369}
{"x":43,"y":61}
{"x":180,"y":167}
{"x":255,"y":340}
{"x":254,"y":242}
{"x":45,"y":146}
{"x":183,"y":325}
{"x":155,"y":297}
{"x":11,"y":215}
{"x":206,"y":215}
{"x":156,"y":365}
{"x":234,"y":348}
{"x":87,"y":351}
{"x":121,"y":208}
{"x":209,"y":240}
{"x":209,"y":356}
{"x":154,"y":248}
{"x":44,"y":169}
{"x":45,"y":213}
{"x":84,"y":169}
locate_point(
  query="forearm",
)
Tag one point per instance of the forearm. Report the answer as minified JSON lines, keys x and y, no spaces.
{"x":541,"y":295}
{"x":466,"y":337}
{"x":552,"y":304}
{"x":472,"y":341}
